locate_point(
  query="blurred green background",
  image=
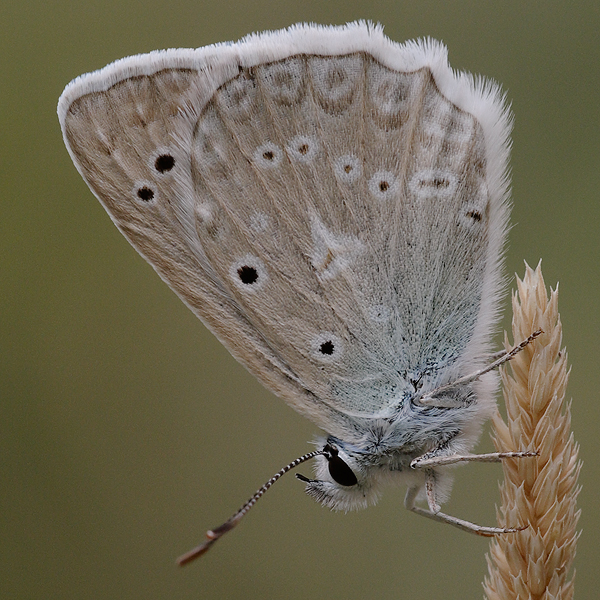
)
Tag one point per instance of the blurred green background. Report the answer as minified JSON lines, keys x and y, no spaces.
{"x":127,"y":430}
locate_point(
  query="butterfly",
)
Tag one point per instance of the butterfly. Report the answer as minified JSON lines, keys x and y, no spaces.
{"x":333,"y":206}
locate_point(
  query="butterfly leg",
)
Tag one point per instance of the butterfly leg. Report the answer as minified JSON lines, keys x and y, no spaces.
{"x":435,"y":513}
{"x":429,"y":399}
{"x":435,"y":459}
{"x":496,"y":355}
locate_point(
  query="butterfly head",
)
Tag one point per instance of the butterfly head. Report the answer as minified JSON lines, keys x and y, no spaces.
{"x":344,"y":480}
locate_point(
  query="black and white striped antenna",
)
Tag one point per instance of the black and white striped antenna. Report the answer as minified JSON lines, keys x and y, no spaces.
{"x":212,"y":535}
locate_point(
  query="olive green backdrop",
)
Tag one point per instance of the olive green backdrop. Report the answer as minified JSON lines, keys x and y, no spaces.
{"x":125,"y":428}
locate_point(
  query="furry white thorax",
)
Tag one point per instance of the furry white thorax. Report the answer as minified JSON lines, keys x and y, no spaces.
{"x":382,"y":450}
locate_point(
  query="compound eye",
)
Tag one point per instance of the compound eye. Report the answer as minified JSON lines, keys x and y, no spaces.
{"x":340,"y":472}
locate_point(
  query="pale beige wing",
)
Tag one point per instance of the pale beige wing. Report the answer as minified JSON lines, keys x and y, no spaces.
{"x":330,"y":218}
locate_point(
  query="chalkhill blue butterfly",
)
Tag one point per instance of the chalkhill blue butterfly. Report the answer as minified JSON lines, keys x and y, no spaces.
{"x":333,"y":206}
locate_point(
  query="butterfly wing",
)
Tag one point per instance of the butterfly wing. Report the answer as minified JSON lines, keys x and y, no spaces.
{"x":330,"y":204}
